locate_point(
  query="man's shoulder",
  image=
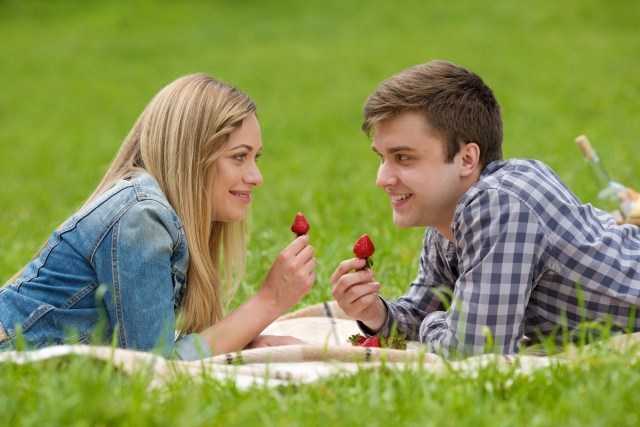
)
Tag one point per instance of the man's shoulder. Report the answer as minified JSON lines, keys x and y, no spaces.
{"x":525,"y":177}
{"x":524,"y":169}
{"x":524,"y":185}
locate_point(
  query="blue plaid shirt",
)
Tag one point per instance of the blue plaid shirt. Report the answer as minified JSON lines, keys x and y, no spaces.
{"x":528,"y":257}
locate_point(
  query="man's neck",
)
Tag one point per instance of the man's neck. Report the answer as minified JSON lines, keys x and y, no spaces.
{"x":446,"y":231}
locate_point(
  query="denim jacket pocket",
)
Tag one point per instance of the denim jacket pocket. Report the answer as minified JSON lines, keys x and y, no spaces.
{"x":36,"y":315}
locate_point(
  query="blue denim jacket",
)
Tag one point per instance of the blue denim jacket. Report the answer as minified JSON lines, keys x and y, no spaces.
{"x":116,"y":267}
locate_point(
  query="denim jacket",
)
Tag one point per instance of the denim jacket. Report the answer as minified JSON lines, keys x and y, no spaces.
{"x":115,"y":270}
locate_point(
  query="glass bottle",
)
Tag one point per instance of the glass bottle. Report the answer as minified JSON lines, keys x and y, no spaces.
{"x":609,"y":195}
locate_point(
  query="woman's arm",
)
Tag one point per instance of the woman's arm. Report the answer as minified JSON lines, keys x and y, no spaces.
{"x":290,"y":277}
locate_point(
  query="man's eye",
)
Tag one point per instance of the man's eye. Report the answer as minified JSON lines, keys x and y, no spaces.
{"x":402,"y":158}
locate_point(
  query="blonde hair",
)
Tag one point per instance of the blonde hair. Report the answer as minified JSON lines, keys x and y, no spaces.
{"x":177,"y":139}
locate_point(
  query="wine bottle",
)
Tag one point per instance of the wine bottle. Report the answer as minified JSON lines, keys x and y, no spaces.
{"x":609,"y":195}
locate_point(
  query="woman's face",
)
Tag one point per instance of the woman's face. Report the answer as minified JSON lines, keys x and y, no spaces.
{"x":237,"y":172}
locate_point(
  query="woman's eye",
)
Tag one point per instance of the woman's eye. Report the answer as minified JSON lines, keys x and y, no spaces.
{"x":258,"y":156}
{"x":240,"y":157}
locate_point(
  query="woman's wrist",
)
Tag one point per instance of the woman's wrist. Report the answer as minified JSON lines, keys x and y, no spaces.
{"x":266,"y":301}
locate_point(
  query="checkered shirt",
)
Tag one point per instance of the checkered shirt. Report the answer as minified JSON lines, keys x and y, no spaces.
{"x":528,"y":259}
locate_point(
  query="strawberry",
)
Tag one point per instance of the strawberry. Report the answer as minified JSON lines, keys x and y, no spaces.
{"x":300,"y":225}
{"x":394,"y":341}
{"x":371,"y":342}
{"x":364,"y":249}
{"x":356,"y":339}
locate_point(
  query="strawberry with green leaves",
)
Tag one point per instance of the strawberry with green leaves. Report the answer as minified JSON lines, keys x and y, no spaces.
{"x":300,"y":225}
{"x":395,"y":341}
{"x":356,"y":339}
{"x":372,"y":342}
{"x":364,"y":249}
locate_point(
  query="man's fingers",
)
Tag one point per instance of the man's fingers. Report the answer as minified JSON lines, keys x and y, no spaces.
{"x":345,"y":266}
{"x":360,"y":291}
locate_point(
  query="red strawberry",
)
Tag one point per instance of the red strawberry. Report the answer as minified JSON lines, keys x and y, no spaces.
{"x":300,"y":225}
{"x":371,"y":342}
{"x":394,"y":341}
{"x":356,"y":339}
{"x":364,"y":249}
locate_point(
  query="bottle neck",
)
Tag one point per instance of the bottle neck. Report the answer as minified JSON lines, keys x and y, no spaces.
{"x":599,"y":171}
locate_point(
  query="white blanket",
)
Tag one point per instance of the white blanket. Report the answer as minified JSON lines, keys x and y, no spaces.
{"x":323,"y":326}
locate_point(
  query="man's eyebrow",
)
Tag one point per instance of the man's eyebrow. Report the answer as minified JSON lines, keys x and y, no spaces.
{"x":396,"y":149}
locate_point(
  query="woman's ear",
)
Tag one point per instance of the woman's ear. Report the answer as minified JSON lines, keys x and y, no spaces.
{"x":470,"y":156}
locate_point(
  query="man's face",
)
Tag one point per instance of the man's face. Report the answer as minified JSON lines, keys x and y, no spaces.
{"x":422,"y":188}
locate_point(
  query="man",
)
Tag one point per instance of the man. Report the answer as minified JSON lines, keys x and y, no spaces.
{"x":509,"y":250}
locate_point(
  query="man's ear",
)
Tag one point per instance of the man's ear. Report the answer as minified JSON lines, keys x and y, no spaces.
{"x":470,"y":156}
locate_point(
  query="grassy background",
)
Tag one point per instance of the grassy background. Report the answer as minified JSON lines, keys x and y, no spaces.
{"x":74,"y":75}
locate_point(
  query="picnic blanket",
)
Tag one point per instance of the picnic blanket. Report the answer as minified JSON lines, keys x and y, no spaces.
{"x":323,"y":326}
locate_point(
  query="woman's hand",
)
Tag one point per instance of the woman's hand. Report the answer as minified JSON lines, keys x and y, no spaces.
{"x":273,"y":340}
{"x":291,"y":276}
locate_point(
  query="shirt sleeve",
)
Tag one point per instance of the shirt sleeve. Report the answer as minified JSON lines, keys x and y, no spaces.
{"x":499,"y":243}
{"x":428,"y":292}
{"x":139,"y":276}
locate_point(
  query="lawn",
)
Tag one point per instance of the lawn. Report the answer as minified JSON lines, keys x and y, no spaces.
{"x":74,"y":75}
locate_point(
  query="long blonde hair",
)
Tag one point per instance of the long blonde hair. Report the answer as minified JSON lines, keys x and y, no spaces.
{"x":177,"y":139}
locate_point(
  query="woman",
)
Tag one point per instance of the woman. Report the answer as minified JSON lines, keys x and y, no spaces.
{"x":160,"y":245}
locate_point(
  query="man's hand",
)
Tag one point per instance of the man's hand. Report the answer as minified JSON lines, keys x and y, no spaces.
{"x":357,"y":293}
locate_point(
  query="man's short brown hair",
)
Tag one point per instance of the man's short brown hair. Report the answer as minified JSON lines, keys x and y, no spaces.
{"x":454,"y":100}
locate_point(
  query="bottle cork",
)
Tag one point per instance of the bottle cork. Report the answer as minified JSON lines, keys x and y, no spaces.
{"x":585,"y":147}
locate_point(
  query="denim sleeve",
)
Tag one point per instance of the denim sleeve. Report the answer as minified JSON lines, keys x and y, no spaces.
{"x":134,"y":261}
{"x":191,"y":347}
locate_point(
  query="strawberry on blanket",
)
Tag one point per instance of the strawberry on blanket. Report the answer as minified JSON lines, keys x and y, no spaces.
{"x":356,"y":339}
{"x":372,"y":342}
{"x":395,"y":341}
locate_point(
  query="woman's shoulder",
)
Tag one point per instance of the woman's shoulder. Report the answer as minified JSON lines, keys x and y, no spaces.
{"x":139,"y":188}
{"x":127,"y":197}
{"x":145,"y":186}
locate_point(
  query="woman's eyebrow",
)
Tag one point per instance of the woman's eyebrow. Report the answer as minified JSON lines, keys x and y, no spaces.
{"x":245,"y":146}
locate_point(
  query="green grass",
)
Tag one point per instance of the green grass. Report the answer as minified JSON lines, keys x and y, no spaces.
{"x":600,"y":388}
{"x":74,"y":75}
